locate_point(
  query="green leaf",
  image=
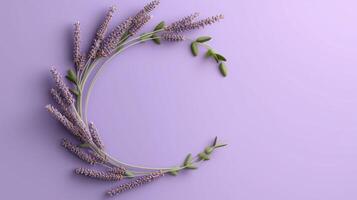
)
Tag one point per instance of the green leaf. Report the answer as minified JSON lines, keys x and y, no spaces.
{"x":215,"y":141}
{"x":215,"y":58}
{"x":156,"y":39}
{"x":203,"y":156}
{"x":194,"y":48}
{"x":159,"y":26}
{"x":208,"y":150}
{"x":71,"y":76}
{"x":210,"y":53}
{"x":174,"y":171}
{"x":220,"y":145}
{"x":188,"y":160}
{"x":191,"y":167}
{"x":203,"y":39}
{"x":74,"y":91}
{"x":129,"y":174}
{"x":220,"y":57}
{"x":223,"y":69}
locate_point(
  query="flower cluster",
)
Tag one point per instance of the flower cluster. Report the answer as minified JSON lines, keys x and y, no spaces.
{"x":102,"y":175}
{"x":136,"y":183}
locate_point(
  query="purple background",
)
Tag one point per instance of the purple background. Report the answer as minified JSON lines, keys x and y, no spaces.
{"x":287,"y":109}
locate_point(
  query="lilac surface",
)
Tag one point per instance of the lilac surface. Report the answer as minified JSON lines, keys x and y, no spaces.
{"x":287,"y":109}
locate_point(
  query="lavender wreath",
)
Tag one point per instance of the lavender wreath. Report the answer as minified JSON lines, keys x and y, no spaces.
{"x":72,"y":101}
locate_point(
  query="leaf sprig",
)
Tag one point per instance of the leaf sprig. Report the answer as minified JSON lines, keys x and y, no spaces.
{"x":210,"y":53}
{"x":190,"y":162}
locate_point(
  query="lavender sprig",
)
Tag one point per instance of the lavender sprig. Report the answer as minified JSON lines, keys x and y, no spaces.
{"x":139,"y":23}
{"x":78,"y":58}
{"x":118,"y":170}
{"x":77,"y":151}
{"x":95,"y":136}
{"x":172,"y":37}
{"x":101,"y":33}
{"x":61,"y":87}
{"x":136,"y":183}
{"x":101,"y":175}
{"x":187,"y":24}
{"x":111,"y":42}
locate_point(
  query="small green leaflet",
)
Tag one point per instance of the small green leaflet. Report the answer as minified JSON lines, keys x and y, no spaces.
{"x":220,"y":145}
{"x":159,"y":26}
{"x":203,"y":156}
{"x":220,"y":57}
{"x":203,"y":39}
{"x":174,"y":171}
{"x":71,"y":76}
{"x":208,"y":150}
{"x":74,"y":91}
{"x":223,"y":69}
{"x":188,"y":160}
{"x":194,"y":48}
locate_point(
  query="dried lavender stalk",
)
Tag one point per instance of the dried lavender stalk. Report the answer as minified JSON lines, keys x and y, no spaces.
{"x":77,"y":130}
{"x":95,"y":136}
{"x":77,"y":151}
{"x":65,"y":110}
{"x":101,"y":175}
{"x":183,"y":26}
{"x":146,"y":10}
{"x":172,"y":37}
{"x":64,"y":120}
{"x":118,"y":170}
{"x":134,"y":184}
{"x":101,"y":33}
{"x":112,"y":41}
{"x":151,"y":6}
{"x":98,"y":158}
{"x":61,"y":87}
{"x":78,"y":59}
{"x":142,"y":17}
{"x":182,"y":22}
{"x":138,"y":24}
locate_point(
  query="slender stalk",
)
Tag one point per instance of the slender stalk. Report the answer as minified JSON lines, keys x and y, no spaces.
{"x":120,"y":49}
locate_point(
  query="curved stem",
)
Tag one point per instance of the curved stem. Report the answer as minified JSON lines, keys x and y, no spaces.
{"x":96,"y":74}
{"x":123,"y":45}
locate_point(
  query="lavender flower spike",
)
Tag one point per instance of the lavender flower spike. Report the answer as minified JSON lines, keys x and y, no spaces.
{"x":118,"y":170}
{"x":136,"y":183}
{"x":77,"y":57}
{"x":183,"y":26}
{"x":111,"y":42}
{"x":182,"y":22}
{"x":74,"y":128}
{"x":138,"y":24}
{"x":101,"y":33}
{"x":63,"y":120}
{"x":142,"y":17}
{"x":106,"y":176}
{"x":151,"y":6}
{"x":95,"y":136}
{"x":77,"y":151}
{"x":146,"y":10}
{"x":172,"y":37}
{"x":64,"y":108}
{"x":61,"y":87}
